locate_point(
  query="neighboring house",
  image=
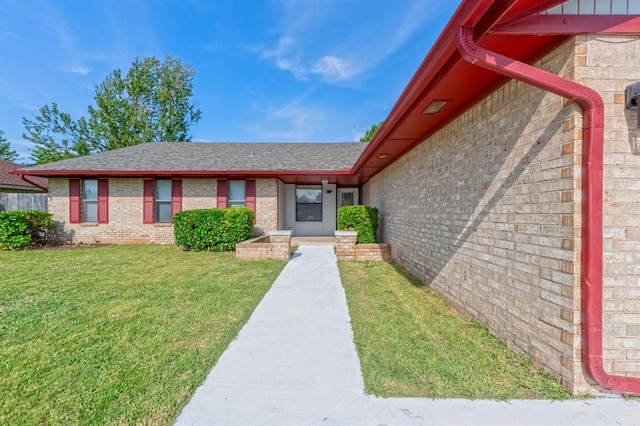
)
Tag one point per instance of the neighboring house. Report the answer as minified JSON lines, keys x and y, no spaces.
{"x":18,"y":194}
{"x":507,"y":176}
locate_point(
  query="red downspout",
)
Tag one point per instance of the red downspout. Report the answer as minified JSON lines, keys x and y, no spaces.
{"x":592,"y":154}
{"x":33,"y":183}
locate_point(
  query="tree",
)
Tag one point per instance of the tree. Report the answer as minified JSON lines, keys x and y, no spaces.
{"x":371,"y":132}
{"x":150,"y":103}
{"x":6,"y":152}
{"x":56,"y":135}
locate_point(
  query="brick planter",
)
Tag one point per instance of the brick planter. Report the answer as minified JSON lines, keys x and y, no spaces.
{"x":277,"y":245}
{"x":347,"y":249}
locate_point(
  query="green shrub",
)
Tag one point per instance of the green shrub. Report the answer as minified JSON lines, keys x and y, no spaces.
{"x":362,"y":219}
{"x":212,"y":229}
{"x":22,"y":229}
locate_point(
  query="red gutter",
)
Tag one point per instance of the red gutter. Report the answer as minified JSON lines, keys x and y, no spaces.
{"x":593,"y":142}
{"x":30,"y":182}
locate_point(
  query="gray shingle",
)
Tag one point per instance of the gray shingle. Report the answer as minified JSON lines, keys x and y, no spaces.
{"x":190,"y":156}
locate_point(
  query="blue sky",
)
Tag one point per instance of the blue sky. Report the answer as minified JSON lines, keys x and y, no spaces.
{"x":266,"y":70}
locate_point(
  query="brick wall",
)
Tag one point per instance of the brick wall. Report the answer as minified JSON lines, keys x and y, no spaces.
{"x":266,"y":206}
{"x":125,"y":211}
{"x":484,"y":212}
{"x":347,"y":249}
{"x":608,"y":64}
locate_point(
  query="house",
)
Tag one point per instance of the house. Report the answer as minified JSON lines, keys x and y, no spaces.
{"x":20,"y":194}
{"x":507,"y":176}
{"x":131,"y":194}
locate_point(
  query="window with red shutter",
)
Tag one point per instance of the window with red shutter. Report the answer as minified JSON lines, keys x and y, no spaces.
{"x":250,"y":197}
{"x":74,"y":201}
{"x":103,"y":200}
{"x":222,"y":194}
{"x":176,"y":197}
{"x":148,"y":200}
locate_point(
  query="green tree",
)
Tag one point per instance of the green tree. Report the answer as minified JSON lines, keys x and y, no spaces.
{"x":371,"y":132}
{"x":150,"y":103}
{"x":6,"y":152}
{"x":57,"y":136}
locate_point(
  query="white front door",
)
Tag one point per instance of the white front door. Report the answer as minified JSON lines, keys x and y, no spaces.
{"x":347,"y":197}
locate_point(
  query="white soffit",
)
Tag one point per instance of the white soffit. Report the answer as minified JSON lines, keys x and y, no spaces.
{"x":597,"y":7}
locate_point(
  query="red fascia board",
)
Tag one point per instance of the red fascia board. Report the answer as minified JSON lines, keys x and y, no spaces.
{"x":572,"y":24}
{"x":182,"y":173}
{"x":468,"y":13}
{"x":441,"y":58}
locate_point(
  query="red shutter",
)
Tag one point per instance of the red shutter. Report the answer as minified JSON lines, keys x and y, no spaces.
{"x":103,"y":200}
{"x":223,"y":193}
{"x":74,"y":201}
{"x":176,"y":196}
{"x":147,"y":204}
{"x":250,"y":196}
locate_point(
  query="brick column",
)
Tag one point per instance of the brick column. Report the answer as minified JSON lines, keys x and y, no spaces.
{"x":346,"y":245}
{"x":280,"y":244}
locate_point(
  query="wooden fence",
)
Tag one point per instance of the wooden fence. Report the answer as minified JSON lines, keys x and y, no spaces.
{"x":22,"y":201}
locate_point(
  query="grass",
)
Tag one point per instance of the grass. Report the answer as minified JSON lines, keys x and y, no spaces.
{"x":412,"y":343}
{"x":117,"y":335}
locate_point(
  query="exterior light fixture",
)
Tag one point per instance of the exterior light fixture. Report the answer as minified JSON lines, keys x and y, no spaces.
{"x":632,"y":98}
{"x":435,"y":107}
{"x":382,"y":156}
{"x":325,"y":182}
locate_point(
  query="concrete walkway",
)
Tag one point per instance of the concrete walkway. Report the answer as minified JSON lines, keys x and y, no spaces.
{"x":295,"y":363}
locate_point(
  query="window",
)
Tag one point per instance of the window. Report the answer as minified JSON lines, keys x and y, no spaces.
{"x":90,"y":200}
{"x":162,"y":198}
{"x":309,"y":204}
{"x":162,"y":201}
{"x":236,"y":193}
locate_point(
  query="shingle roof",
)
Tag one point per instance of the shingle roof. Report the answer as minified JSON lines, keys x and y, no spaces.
{"x":14,"y":181}
{"x":201,"y":156}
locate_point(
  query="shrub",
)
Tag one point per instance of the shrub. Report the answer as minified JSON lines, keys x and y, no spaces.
{"x":22,"y":229}
{"x":362,"y":219}
{"x":212,"y":229}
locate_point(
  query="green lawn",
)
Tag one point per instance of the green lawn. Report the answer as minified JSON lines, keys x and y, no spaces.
{"x":412,"y":343}
{"x":117,"y":335}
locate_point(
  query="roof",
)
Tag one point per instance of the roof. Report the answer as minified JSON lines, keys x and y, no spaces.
{"x":208,"y":158}
{"x":524,"y":30}
{"x":13,"y":182}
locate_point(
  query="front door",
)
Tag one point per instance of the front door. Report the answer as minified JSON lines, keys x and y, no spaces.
{"x":347,"y":197}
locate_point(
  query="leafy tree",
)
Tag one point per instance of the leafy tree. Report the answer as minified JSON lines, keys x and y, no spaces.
{"x":371,"y":132}
{"x":150,"y":103}
{"x":57,"y":136}
{"x":5,"y":149}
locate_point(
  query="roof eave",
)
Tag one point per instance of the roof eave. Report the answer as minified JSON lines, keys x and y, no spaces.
{"x":438,"y":63}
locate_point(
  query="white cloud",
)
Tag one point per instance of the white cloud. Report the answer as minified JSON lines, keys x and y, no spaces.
{"x":319,"y":40}
{"x":77,"y":70}
{"x":64,"y":37}
{"x":293,"y":121}
{"x":334,"y":68}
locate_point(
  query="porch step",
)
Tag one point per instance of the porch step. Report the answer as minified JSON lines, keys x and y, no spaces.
{"x":313,"y":241}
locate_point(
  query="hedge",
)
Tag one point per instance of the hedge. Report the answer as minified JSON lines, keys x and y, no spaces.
{"x":362,"y":219}
{"x":23,"y":229}
{"x":212,"y":229}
